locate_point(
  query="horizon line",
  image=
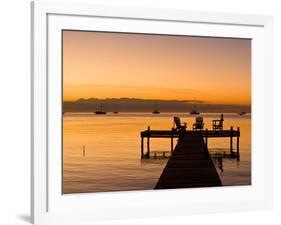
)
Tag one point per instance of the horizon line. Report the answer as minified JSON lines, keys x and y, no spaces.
{"x":159,"y":100}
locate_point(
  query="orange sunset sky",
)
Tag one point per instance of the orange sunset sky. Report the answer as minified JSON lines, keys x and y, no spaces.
{"x":114,"y":65}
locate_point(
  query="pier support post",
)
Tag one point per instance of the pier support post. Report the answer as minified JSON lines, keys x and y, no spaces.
{"x":172,"y":141}
{"x":84,"y":152}
{"x":148,"y":144}
{"x":206,"y":138}
{"x":237,"y":148}
{"x":231,"y":141}
{"x":142,"y":156}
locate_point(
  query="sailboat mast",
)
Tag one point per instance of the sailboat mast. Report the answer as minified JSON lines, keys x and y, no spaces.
{"x":194,"y":111}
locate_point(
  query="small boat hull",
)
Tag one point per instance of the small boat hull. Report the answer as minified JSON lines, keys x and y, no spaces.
{"x":100,"y":112}
{"x":194,"y":113}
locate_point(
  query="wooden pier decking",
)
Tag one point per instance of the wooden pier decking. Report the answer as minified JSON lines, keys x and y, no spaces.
{"x":190,"y":165}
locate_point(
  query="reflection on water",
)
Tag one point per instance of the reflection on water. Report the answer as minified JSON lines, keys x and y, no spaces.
{"x":102,"y":152}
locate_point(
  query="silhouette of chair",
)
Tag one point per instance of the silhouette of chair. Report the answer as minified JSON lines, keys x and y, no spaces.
{"x":179,"y":126}
{"x":218,"y":124}
{"x":198,"y":125}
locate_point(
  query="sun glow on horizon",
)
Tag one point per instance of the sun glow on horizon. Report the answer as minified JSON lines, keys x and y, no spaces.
{"x":113,"y":65}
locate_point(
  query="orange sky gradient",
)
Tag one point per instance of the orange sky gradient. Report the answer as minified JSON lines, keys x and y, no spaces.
{"x":115,"y":65}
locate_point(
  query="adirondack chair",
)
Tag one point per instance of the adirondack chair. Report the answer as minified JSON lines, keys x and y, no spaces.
{"x":179,"y":126}
{"x":218,"y":124}
{"x":198,"y":125}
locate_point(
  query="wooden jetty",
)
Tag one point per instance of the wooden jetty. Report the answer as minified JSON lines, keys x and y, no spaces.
{"x":190,"y":163}
{"x":189,"y":166}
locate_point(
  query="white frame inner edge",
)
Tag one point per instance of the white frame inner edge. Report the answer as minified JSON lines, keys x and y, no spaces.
{"x":49,"y":205}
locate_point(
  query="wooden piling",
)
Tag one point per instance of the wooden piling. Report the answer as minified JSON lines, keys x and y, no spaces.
{"x":206,"y":138}
{"x":231,"y":141}
{"x":148,"y":144}
{"x":172,"y":141}
{"x":237,"y":148}
{"x":142,"y":155}
{"x":84,"y":151}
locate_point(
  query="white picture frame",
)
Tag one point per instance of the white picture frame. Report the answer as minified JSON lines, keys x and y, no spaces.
{"x":48,"y":205}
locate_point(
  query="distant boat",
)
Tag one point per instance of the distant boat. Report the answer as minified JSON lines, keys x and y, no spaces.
{"x":242,"y":112}
{"x":100,"y":111}
{"x":194,"y":111}
{"x":115,"y":110}
{"x":155,"y":111}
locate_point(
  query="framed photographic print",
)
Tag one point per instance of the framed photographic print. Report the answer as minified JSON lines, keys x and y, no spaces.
{"x":149,"y":112}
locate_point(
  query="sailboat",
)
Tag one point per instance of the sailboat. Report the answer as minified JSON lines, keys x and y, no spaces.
{"x":242,"y":113}
{"x":155,"y":111}
{"x":194,"y":111}
{"x":115,"y":110}
{"x":100,"y":111}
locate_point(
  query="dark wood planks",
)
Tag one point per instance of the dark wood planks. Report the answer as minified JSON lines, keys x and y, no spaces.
{"x":189,"y":166}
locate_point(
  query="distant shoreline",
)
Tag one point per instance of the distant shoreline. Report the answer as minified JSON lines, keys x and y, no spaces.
{"x":148,"y":105}
{"x":162,"y":113}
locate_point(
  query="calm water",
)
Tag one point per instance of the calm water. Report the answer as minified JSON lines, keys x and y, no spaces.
{"x":112,"y":150}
